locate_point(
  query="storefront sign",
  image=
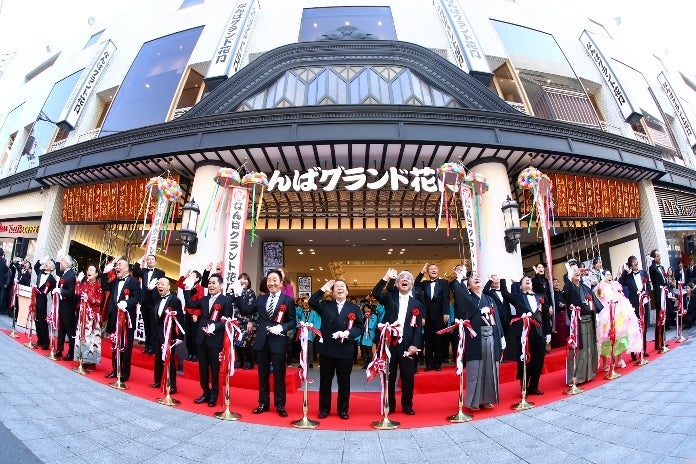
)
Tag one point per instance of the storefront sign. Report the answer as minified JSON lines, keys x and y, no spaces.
{"x":590,"y":197}
{"x":676,"y":205}
{"x":229,"y":52}
{"x":609,"y":76}
{"x":468,"y":53}
{"x":678,"y":109}
{"x":234,"y":237}
{"x":118,"y":201}
{"x":28,"y":229}
{"x":82,"y":91}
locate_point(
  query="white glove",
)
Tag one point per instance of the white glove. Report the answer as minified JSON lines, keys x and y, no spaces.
{"x":548,"y":339}
{"x":337,"y":335}
{"x":503,"y":343}
{"x":485,"y":310}
{"x":108,"y":267}
{"x":345,"y":334}
{"x":152,"y":284}
{"x":177,"y":342}
{"x":276,"y":329}
{"x":122,"y":305}
{"x":55,"y":290}
{"x":210,"y":329}
{"x":80,"y":276}
{"x":189,"y":281}
{"x":237,"y":288}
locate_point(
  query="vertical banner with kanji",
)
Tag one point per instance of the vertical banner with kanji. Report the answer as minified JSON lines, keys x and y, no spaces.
{"x":234,"y":236}
{"x":467,"y":196}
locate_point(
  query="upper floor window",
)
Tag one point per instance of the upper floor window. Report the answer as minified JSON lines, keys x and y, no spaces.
{"x":94,"y":39}
{"x":41,"y":68}
{"x":188,"y":3}
{"x":147,"y":93}
{"x":374,"y":20}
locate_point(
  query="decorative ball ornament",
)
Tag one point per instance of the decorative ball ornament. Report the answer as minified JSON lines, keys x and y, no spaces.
{"x":255,"y":178}
{"x":168,"y":188}
{"x":477,"y":182}
{"x":452,"y":168}
{"x":227,"y":177}
{"x":531,"y":177}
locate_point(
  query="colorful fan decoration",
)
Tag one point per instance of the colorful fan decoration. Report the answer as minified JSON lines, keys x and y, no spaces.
{"x":168,"y":193}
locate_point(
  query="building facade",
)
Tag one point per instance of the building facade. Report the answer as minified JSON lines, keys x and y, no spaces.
{"x":350,"y":111}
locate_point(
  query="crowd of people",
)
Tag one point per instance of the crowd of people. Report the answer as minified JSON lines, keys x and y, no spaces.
{"x":601,"y":313}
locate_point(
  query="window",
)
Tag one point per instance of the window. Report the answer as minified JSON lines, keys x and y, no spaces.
{"x":375,"y":20}
{"x":146,"y":95}
{"x":41,"y":68}
{"x":550,"y":84}
{"x":188,"y":3}
{"x":44,"y":129}
{"x":94,"y":39}
{"x":191,"y":93}
{"x":8,"y":132}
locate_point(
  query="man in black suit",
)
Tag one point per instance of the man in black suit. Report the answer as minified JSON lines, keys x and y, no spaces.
{"x":341,"y":323}
{"x":435,"y":296}
{"x":539,"y":335}
{"x":67,"y":307}
{"x":658,"y":281}
{"x":492,"y":289}
{"x":125,"y":295}
{"x":148,"y":280}
{"x":399,"y":309}
{"x":635,"y":280}
{"x":45,"y":283}
{"x":276,"y":316}
{"x":209,"y":336}
{"x":167,"y":302}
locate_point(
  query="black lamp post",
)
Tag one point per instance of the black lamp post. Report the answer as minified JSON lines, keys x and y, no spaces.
{"x":513,"y":231}
{"x":189,"y":221}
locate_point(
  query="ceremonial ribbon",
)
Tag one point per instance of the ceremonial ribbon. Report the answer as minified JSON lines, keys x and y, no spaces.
{"x":643,"y":299}
{"x":460,"y":325}
{"x":661,"y":317}
{"x":13,"y":296}
{"x":680,"y":303}
{"x":228,"y":355}
{"x":52,"y":319}
{"x":31,"y":314}
{"x":169,"y":322}
{"x":574,"y":332}
{"x":382,"y":356}
{"x":123,"y":323}
{"x":82,"y":318}
{"x":612,"y":322}
{"x":303,"y":336}
{"x":526,"y":319}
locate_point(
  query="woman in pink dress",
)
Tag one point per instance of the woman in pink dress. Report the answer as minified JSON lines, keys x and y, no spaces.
{"x":628,"y":336}
{"x":89,"y":324}
{"x":286,"y":287}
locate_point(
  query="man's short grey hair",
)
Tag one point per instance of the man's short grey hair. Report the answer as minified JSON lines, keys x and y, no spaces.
{"x":68,"y":260}
{"x":406,"y":274}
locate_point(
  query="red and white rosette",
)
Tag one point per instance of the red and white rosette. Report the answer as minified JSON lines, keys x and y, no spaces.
{"x":281,"y":314}
{"x":382,"y":356}
{"x":351,"y":320}
{"x":527,"y":321}
{"x":414,"y":316}
{"x":228,"y":355}
{"x":303,"y":329}
{"x":460,"y":325}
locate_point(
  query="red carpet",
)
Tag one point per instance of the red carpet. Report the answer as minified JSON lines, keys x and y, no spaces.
{"x":435,"y":399}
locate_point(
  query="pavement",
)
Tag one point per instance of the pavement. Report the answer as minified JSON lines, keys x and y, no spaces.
{"x":52,"y":415}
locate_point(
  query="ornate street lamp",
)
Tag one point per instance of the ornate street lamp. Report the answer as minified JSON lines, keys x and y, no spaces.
{"x":513,"y":231}
{"x":189,"y":221}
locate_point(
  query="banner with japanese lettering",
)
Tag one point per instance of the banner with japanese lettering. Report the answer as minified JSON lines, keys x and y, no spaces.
{"x":234,"y":236}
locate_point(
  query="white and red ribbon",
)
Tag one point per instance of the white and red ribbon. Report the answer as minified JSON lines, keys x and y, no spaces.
{"x":303,"y":336}
{"x":460,"y":325}
{"x":169,"y":322}
{"x":382,"y":356}
{"x":31,"y":313}
{"x":52,"y":319}
{"x":228,"y":355}
{"x":527,"y":320}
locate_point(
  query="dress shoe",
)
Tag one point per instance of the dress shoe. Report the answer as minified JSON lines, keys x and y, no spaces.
{"x":323,"y":415}
{"x":194,"y":358}
{"x":535,"y":392}
{"x":201,"y":399}
{"x":409,"y":412}
{"x":487,"y":406}
{"x":247,"y":366}
{"x":438,"y":368}
{"x":391,"y":410}
{"x":282,"y":412}
{"x":110,"y":375}
{"x":212,"y":403}
{"x":646,"y":355}
{"x":45,"y":348}
{"x":172,"y":390}
{"x":343,"y":415}
{"x":59,"y":354}
{"x":67,"y":357}
{"x":261,"y":409}
{"x":155,"y":385}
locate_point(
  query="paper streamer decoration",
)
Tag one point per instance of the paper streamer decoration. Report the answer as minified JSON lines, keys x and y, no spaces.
{"x":168,"y":193}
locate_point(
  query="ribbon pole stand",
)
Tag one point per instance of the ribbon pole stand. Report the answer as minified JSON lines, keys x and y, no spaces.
{"x":680,"y":328}
{"x":80,"y":369}
{"x":574,"y":389}
{"x":29,"y":344}
{"x":642,"y":361}
{"x":523,"y":404}
{"x":168,"y":400}
{"x":664,"y":348}
{"x":305,"y":422}
{"x":118,"y":384}
{"x":460,"y":416}
{"x":13,"y":333}
{"x":227,"y":414}
{"x":385,"y":423}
